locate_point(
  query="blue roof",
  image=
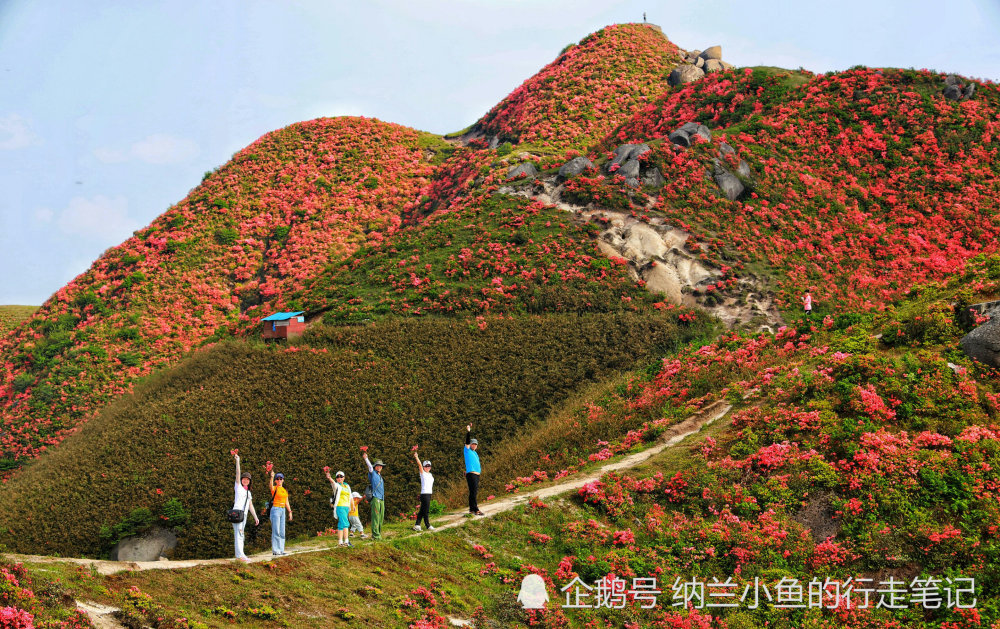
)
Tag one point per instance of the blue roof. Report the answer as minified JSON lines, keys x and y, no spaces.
{"x":281,"y":316}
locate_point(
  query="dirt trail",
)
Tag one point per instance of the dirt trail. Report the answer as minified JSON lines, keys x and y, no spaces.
{"x":671,"y":437}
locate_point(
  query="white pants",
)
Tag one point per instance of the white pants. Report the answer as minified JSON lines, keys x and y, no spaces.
{"x":238,"y":528}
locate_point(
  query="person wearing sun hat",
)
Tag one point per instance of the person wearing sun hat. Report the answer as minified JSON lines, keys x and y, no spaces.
{"x":341,"y":505}
{"x":377,"y":484}
{"x":279,"y":505}
{"x":473,"y":469}
{"x":426,"y":487}
{"x":243,"y":501}
{"x":354,"y":517}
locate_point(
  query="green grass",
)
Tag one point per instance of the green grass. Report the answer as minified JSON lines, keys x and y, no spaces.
{"x":12,"y":316}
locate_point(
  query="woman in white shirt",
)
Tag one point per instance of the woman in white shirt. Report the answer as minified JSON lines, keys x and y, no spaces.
{"x":426,"y":487}
{"x":243,"y":501}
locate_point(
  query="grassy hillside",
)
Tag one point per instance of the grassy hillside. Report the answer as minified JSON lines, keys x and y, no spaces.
{"x":11,"y":316}
{"x":493,"y":254}
{"x":254,"y":230}
{"x":389,"y":386}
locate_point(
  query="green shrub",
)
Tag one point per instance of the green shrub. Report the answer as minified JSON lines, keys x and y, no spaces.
{"x":504,"y":149}
{"x":22,"y":381}
{"x":226,"y":235}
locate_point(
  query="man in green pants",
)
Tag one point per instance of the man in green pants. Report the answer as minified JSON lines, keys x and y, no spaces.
{"x":378,"y":495}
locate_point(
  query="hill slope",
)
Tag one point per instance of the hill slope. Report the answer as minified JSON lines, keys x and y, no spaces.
{"x":254,"y":230}
{"x":589,"y":89}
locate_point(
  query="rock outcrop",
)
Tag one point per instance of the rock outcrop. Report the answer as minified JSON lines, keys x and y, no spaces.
{"x":983,"y":343}
{"x":698,"y":63}
{"x":575,"y":166}
{"x":149,"y":546}
{"x":957,"y":89}
{"x":527,"y":169}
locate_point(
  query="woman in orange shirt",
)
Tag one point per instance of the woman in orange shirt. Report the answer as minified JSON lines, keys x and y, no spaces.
{"x":279,"y":504}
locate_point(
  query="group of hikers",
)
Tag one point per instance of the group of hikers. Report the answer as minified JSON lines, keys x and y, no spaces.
{"x":344,"y":501}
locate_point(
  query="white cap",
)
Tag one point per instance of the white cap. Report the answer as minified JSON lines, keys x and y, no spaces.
{"x":339,"y":473}
{"x":355,"y":494}
{"x":426,"y":463}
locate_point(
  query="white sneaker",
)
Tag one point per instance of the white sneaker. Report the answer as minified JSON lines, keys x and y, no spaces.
{"x":430,"y":528}
{"x":416,"y":527}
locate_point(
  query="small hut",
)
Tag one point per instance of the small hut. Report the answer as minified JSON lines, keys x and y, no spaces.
{"x":283,"y":325}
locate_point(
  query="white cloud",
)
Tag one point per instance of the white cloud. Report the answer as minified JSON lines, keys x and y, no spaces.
{"x":15,"y":133}
{"x":100,"y":218}
{"x":44,"y":215}
{"x":158,"y":148}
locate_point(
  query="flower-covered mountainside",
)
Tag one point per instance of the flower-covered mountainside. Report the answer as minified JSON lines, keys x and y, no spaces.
{"x":477,"y":279}
{"x":588,"y":90}
{"x":255,"y":229}
{"x":855,"y":185}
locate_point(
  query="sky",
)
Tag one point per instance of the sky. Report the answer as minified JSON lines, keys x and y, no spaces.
{"x":111,"y":111}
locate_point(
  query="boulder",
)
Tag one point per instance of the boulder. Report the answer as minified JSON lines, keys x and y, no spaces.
{"x":680,"y":138}
{"x":743,"y":169}
{"x":952,"y":92}
{"x":699,"y":63}
{"x":575,"y":166}
{"x":663,"y":279}
{"x":621,"y":154}
{"x":713,"y":65}
{"x":725,"y":149}
{"x":653,"y":178}
{"x":726,"y":65}
{"x":629,"y":169}
{"x":704,"y":132}
{"x":527,"y":168}
{"x":685,"y":74}
{"x":983,"y":343}
{"x":626,"y":152}
{"x":953,"y":79}
{"x":642,"y":244}
{"x":495,"y":142}
{"x":714,"y":52}
{"x":149,"y":546}
{"x":969,"y":91}
{"x":727,"y":181}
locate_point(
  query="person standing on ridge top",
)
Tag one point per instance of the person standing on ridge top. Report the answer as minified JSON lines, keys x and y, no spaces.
{"x":473,"y":470}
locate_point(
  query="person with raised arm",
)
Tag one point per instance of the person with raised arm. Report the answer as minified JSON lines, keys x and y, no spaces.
{"x":426,"y":487}
{"x":473,"y":470}
{"x":279,"y":504}
{"x":341,"y":505}
{"x":377,"y":485}
{"x":243,"y":501}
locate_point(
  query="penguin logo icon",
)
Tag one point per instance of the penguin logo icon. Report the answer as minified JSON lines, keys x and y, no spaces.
{"x":533,"y":594}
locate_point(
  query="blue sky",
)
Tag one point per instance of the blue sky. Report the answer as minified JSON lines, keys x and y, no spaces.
{"x":111,"y":111}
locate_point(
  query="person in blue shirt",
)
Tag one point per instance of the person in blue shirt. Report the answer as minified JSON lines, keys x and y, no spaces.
{"x":378,"y":495}
{"x":473,"y":470}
